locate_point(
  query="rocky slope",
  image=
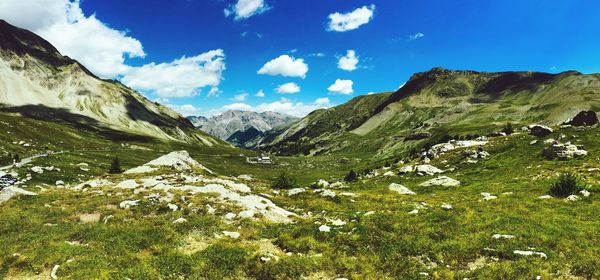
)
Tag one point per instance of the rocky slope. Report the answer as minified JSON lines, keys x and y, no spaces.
{"x":240,"y":127}
{"x":441,"y":100}
{"x":37,"y":81}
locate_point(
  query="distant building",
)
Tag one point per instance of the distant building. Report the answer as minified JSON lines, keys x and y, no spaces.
{"x":265,"y":160}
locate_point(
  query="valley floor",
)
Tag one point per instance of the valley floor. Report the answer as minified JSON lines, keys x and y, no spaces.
{"x":177,"y":222}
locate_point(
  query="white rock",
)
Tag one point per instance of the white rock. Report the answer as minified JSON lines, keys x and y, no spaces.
{"x":572,"y":198}
{"x":530,"y":253}
{"x":179,"y":160}
{"x":349,"y":194}
{"x":389,"y":174}
{"x":400,"y":189}
{"x":128,"y":203}
{"x":328,"y":193}
{"x":54,"y":271}
{"x":230,"y":216}
{"x":128,"y":184}
{"x":324,"y":228}
{"x":180,"y":221}
{"x":585,"y":193}
{"x":547,"y":196}
{"x":443,"y":181}
{"x":60,"y":183}
{"x":322,"y":183}
{"x":10,"y":192}
{"x":446,"y":206}
{"x":246,"y":214}
{"x":488,"y":196}
{"x":295,"y":191}
{"x":210,"y":209}
{"x":338,"y":222}
{"x":504,"y":236}
{"x":245,"y":177}
{"x":37,"y":169}
{"x":426,"y":169}
{"x":172,"y":207}
{"x":232,"y":234}
{"x":406,"y":169}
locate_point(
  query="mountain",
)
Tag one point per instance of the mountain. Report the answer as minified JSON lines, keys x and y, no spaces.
{"x":36,"y":81}
{"x":239,"y":127}
{"x":440,"y":102}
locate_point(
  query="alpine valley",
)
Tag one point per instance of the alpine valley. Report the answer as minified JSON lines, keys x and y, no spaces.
{"x":458,"y":174}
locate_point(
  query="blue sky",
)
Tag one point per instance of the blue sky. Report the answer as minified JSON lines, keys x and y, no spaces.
{"x":399,"y":39}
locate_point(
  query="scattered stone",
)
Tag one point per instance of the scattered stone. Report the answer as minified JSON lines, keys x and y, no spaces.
{"x":389,"y":174}
{"x":180,"y":221}
{"x":322,"y":184}
{"x":406,"y":169}
{"x":488,"y":196}
{"x":349,"y":194}
{"x":338,"y":222}
{"x":128,"y":184}
{"x":533,"y":142}
{"x":328,"y":193}
{"x":400,"y":189}
{"x":59,"y":183}
{"x":232,"y":234}
{"x":295,"y":191}
{"x":572,"y":198}
{"x":503,"y":236}
{"x":446,"y":206}
{"x":426,"y":169}
{"x":172,"y":207}
{"x":245,"y":177}
{"x":563,"y":151}
{"x":547,"y":196}
{"x":246,"y":214}
{"x":443,"y":181}
{"x":54,"y":271}
{"x":585,"y":193}
{"x":540,"y":130}
{"x":530,"y":253}
{"x":128,"y":203}
{"x":89,"y":218}
{"x":230,"y":216}
{"x":324,"y":228}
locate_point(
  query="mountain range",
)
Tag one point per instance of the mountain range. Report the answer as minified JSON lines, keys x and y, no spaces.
{"x":242,"y":128}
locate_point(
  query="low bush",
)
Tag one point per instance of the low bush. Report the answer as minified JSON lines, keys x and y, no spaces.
{"x":566,"y":184}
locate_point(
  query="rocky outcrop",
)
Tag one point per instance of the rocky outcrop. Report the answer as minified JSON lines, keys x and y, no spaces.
{"x":584,"y":118}
{"x":564,"y":151}
{"x":442,"y":181}
{"x":400,"y":189}
{"x":540,"y":130}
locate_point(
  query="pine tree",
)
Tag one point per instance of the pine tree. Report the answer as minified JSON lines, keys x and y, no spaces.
{"x":351,"y":176}
{"x":115,"y":166}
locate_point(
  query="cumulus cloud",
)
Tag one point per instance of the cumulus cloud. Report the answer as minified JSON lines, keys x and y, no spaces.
{"x":214,"y":92}
{"x":103,"y":50}
{"x":186,"y":110}
{"x":97,"y":46}
{"x":260,"y":93}
{"x":180,"y":78}
{"x":285,"y":65}
{"x":240,"y":97}
{"x":349,"y":21}
{"x":349,"y":61}
{"x":288,"y":88}
{"x":244,"y":9}
{"x":341,"y":87}
{"x":284,"y":105}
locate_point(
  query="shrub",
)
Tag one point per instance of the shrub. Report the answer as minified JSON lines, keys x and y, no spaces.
{"x":284,"y":181}
{"x":115,"y":166}
{"x":351,"y":176}
{"x":566,"y":185}
{"x":508,"y":129}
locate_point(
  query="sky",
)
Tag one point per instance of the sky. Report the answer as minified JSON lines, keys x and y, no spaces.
{"x":203,"y":57}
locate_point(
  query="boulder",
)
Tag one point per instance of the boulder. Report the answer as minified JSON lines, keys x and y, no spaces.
{"x":400,"y":189}
{"x":295,"y":191}
{"x":406,"y":169}
{"x":442,"y":181}
{"x":584,"y":118}
{"x":10,"y":192}
{"x":540,"y":130}
{"x":324,"y":228}
{"x":426,"y":169}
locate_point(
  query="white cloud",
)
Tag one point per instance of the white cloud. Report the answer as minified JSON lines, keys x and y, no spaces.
{"x":341,"y":87}
{"x":416,"y":36}
{"x":186,"y":110}
{"x":244,"y":9}
{"x":288,"y":88}
{"x":240,"y":97}
{"x":97,"y":46}
{"x":284,"y":105}
{"x":349,"y":61}
{"x":260,"y":93}
{"x":322,"y":101}
{"x":180,"y":78}
{"x":349,"y":21}
{"x":214,"y":92}
{"x":285,"y":65}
